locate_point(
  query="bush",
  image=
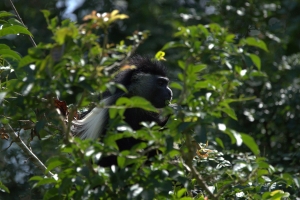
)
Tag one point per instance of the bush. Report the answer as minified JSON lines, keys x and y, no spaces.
{"x":203,"y":152}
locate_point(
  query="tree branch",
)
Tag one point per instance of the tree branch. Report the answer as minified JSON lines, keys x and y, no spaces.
{"x":190,"y":167}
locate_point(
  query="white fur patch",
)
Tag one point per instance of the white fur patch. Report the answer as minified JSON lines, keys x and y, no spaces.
{"x":92,"y":125}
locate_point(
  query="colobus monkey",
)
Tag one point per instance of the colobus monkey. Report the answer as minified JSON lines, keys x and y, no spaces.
{"x":146,"y":79}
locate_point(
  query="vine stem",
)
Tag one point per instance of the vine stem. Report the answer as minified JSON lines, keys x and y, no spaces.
{"x":18,"y":16}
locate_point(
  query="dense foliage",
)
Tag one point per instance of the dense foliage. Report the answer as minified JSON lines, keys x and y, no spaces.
{"x":233,"y":68}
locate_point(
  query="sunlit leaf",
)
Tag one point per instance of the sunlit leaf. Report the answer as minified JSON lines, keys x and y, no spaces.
{"x":203,"y":30}
{"x":220,"y":142}
{"x":45,"y":181}
{"x":172,"y":44}
{"x":26,"y":60}
{"x":7,"y":53}
{"x":181,"y":192}
{"x":4,"y":46}
{"x":5,"y":14}
{"x":176,"y":85}
{"x":230,"y":112}
{"x":54,"y":162}
{"x":256,"y":60}
{"x":202,"y":84}
{"x":181,"y":64}
{"x":46,"y":13}
{"x":121,"y":161}
{"x":276,"y":192}
{"x":15,"y":22}
{"x":137,"y":102}
{"x":36,"y":178}
{"x":288,"y":178}
{"x":230,"y":38}
{"x":250,"y":143}
{"x":3,"y":188}
{"x":16,"y":29}
{"x":235,"y":136}
{"x":160,"y":55}
{"x":62,"y":33}
{"x":198,"y":68}
{"x":255,"y":42}
{"x":261,"y":172}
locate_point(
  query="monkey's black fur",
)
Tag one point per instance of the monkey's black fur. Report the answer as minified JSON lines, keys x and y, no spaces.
{"x":146,"y":79}
{"x":143,"y":65}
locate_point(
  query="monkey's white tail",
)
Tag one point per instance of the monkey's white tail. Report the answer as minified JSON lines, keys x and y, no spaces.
{"x":93,"y":124}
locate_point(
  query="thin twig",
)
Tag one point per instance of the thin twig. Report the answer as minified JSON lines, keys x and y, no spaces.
{"x":8,"y":146}
{"x":116,"y":64}
{"x":15,"y":138}
{"x":18,"y":16}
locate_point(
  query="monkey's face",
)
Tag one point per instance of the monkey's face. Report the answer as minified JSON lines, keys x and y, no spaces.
{"x":162,"y":94}
{"x":153,"y":88}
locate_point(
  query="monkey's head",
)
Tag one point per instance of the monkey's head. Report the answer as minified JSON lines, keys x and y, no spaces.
{"x":148,"y":80}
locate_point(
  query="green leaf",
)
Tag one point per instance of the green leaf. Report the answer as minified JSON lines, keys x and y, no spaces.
{"x":215,"y":28}
{"x":203,"y":30}
{"x":121,"y":161}
{"x":261,"y":172}
{"x":181,"y":192}
{"x":235,"y":136}
{"x":136,"y":102}
{"x":250,"y":143}
{"x":26,"y":60}
{"x":16,"y":29}
{"x":288,"y":178}
{"x":5,"y":14}
{"x":53,"y":23}
{"x":277,"y":194}
{"x":198,"y":68}
{"x":160,"y":55}
{"x":7,"y":53}
{"x":255,"y":42}
{"x":172,"y":44}
{"x":36,"y":178}
{"x":262,"y":164}
{"x":258,"y":73}
{"x":14,"y":21}
{"x":54,"y":162}
{"x":46,"y":181}
{"x":111,"y":140}
{"x":46,"y":13}
{"x":230,"y":112}
{"x":181,"y":64}
{"x":220,"y":142}
{"x":112,"y":113}
{"x":266,"y":195}
{"x":256,"y":60}
{"x":202,"y":84}
{"x":230,"y":38}
{"x":176,"y":85}
{"x":4,"y":46}
{"x":62,"y":33}
{"x":3,"y":188}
